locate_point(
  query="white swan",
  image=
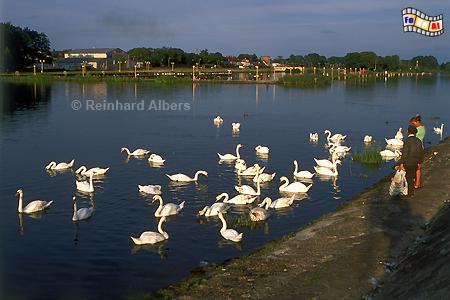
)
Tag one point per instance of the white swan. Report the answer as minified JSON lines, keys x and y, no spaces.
{"x":167,"y":209}
{"x":32,"y":207}
{"x":339,"y":149}
{"x":238,"y":199}
{"x":248,"y":190}
{"x":394,"y":142}
{"x":213,"y":210}
{"x":368,"y":139}
{"x":278,"y":203}
{"x":240,"y":165}
{"x":302,"y":174}
{"x":137,"y":152}
{"x":155,"y":158}
{"x":85,"y":186}
{"x":294,"y":187}
{"x":335,"y":138}
{"x":150,"y":189}
{"x":151,"y":237}
{"x":231,"y":156}
{"x":61,"y":166}
{"x":236,"y":126}
{"x":314,"y":136}
{"x":390,"y":154}
{"x":218,"y":121}
{"x":260,"y":213}
{"x":229,"y":234}
{"x":399,"y":134}
{"x":82,"y":213}
{"x":439,"y":130}
{"x":251,"y":171}
{"x":93,"y":171}
{"x":184,"y":178}
{"x":325,"y":162}
{"x":264,"y":177}
{"x":262,"y":149}
{"x":328,"y":172}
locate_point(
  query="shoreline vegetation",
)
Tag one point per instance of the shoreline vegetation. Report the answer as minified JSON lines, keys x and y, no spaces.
{"x":310,"y":78}
{"x":370,"y":247}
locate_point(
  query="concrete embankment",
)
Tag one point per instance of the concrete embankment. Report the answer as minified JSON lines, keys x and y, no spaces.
{"x":372,"y":246}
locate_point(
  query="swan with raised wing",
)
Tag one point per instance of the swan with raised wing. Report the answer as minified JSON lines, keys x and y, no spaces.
{"x":367,"y":139}
{"x":151,"y":237}
{"x":328,"y":172}
{"x":229,"y":234}
{"x":184,"y":178}
{"x":137,"y":152}
{"x":231,"y":156}
{"x":236,"y":127}
{"x":301,"y":174}
{"x":218,"y":121}
{"x":167,"y":209}
{"x":240,"y":199}
{"x":262,"y":149}
{"x":32,"y":207}
{"x":278,"y":203}
{"x":294,"y":187}
{"x":96,"y":171}
{"x":335,"y":138}
{"x":61,"y":166}
{"x":155,"y":158}
{"x":82,"y":213}
{"x":86,"y":185}
{"x":150,"y":189}
{"x":314,"y":136}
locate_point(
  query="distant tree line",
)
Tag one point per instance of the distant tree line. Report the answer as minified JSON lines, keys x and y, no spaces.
{"x":22,"y":47}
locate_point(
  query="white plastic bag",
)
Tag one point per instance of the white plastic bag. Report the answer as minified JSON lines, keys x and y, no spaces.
{"x":399,"y":186}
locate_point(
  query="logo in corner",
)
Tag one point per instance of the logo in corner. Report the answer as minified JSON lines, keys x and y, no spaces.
{"x":416,"y":21}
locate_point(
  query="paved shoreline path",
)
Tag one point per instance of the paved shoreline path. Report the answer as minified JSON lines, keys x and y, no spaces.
{"x":345,"y":254}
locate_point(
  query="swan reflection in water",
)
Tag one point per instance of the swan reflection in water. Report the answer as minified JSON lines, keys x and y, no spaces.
{"x":159,"y":248}
{"x":225,"y":243}
{"x":36,"y":216}
{"x":336,"y":188}
{"x":53,"y":173}
{"x":154,"y":164}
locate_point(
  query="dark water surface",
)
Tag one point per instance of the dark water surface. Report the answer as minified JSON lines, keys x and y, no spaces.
{"x":50,"y":257}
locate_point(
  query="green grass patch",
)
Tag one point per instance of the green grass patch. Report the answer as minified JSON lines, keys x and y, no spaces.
{"x":305,"y":81}
{"x":368,"y":156}
{"x":172,"y":80}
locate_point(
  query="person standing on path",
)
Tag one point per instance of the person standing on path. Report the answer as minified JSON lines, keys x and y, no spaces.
{"x":417,"y":122}
{"x":412,"y":156}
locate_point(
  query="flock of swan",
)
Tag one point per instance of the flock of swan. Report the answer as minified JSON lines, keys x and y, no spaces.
{"x":246,"y":194}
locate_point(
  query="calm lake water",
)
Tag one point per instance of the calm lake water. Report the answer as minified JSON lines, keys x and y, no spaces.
{"x":50,"y":257}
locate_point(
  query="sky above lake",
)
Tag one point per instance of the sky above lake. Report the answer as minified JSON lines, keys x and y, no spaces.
{"x":231,"y":27}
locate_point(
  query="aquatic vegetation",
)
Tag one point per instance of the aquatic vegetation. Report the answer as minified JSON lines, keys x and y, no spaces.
{"x":305,"y":81}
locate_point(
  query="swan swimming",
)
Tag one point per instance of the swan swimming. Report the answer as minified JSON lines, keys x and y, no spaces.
{"x":238,"y":199}
{"x":390,"y":154}
{"x":231,"y":156}
{"x":264,"y":177}
{"x":150,"y":189}
{"x":218,"y":121}
{"x":302,"y":174}
{"x":137,"y":152}
{"x":93,"y":171}
{"x":394,"y":142}
{"x":184,"y":178}
{"x":278,"y":203}
{"x":213,"y":210}
{"x":260,"y":213}
{"x":167,"y":209}
{"x":85,"y":186}
{"x":32,"y":207}
{"x":325,"y":162}
{"x":155,"y":158}
{"x":314,"y":136}
{"x":236,"y":127}
{"x":61,"y":166}
{"x":262,"y":149}
{"x":328,"y":172}
{"x":229,"y":234}
{"x":82,"y":213}
{"x":367,"y":139}
{"x":339,"y":149}
{"x":248,"y":190}
{"x":151,"y":237}
{"x":294,"y":187}
{"x":335,"y":138}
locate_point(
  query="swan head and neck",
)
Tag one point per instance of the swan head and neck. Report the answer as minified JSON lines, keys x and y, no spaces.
{"x":160,"y":230}
{"x":80,"y":170}
{"x":285,"y":180}
{"x":267,"y":201}
{"x":224,"y":222}
{"x":295,"y":166}
{"x":203,"y":211}
{"x":198,"y":173}
{"x":50,"y":165}
{"x":125,"y":149}
{"x":328,"y":133}
{"x":223,"y":195}
{"x":238,"y":146}
{"x":19,"y":193}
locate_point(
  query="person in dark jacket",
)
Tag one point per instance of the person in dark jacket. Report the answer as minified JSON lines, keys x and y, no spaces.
{"x":412,"y":155}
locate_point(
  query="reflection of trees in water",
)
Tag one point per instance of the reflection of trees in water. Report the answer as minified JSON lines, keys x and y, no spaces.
{"x":21,"y":96}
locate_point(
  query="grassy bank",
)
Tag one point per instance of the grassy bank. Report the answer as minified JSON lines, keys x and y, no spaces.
{"x":305,"y":81}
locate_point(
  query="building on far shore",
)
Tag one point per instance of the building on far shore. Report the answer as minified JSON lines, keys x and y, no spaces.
{"x":265,"y":59}
{"x":95,"y":58}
